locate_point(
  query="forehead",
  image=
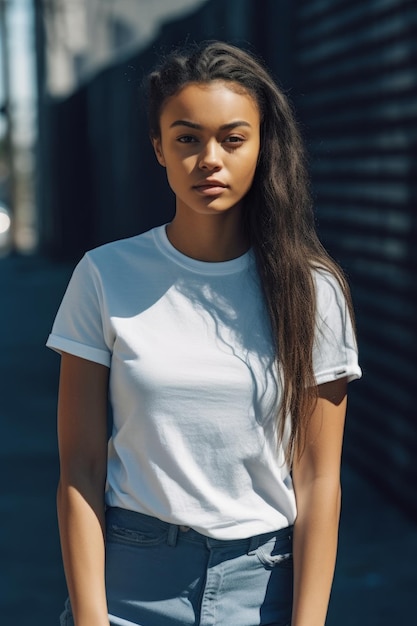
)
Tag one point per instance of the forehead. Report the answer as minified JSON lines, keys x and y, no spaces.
{"x":213,"y":103}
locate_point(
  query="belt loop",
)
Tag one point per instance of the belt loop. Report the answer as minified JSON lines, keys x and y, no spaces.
{"x":253,"y":544}
{"x":172,"y":535}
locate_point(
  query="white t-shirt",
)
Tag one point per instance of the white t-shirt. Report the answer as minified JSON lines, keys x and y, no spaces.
{"x":192,"y":381}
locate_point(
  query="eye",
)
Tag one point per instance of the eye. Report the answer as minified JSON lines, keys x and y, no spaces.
{"x":236,"y":140}
{"x":186,"y":139}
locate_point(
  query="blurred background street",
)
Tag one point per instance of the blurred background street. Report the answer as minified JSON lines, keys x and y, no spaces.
{"x":76,"y":171}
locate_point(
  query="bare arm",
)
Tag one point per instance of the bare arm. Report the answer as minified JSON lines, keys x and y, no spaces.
{"x":316,"y":477}
{"x":82,"y":440}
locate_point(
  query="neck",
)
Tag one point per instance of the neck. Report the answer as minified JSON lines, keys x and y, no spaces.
{"x":210,"y":238}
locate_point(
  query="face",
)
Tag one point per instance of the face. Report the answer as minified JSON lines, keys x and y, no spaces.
{"x":209,"y":145}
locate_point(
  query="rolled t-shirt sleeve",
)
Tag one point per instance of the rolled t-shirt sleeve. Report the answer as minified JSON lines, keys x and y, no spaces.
{"x":335,"y":353}
{"x":78,"y":327}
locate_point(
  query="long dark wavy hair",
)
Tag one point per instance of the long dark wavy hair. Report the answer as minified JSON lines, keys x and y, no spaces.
{"x":277,"y":213}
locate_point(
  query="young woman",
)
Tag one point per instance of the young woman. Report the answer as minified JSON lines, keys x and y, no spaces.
{"x":225,"y":342}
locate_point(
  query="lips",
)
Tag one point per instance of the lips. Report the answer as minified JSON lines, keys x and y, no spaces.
{"x":206,"y":184}
{"x":210,"y":187}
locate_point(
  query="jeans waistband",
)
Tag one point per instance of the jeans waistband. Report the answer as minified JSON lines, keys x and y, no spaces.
{"x":137,"y":521}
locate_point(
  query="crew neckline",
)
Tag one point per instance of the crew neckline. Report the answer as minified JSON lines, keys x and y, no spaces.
{"x":194,"y":265}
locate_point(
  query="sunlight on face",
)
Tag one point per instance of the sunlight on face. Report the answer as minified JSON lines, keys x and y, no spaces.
{"x":209,"y":145}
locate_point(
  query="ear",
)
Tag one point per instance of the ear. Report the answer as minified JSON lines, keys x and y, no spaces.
{"x":157,"y":146}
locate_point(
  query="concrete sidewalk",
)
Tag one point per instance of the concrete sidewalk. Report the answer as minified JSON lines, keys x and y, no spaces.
{"x":376,"y":575}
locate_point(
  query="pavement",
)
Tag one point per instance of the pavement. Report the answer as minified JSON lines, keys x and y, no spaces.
{"x":376,"y":574}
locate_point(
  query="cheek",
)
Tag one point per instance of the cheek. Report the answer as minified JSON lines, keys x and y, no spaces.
{"x":252,"y":163}
{"x":178,"y":172}
{"x":252,"y":156}
{"x":248,"y":176}
{"x":182,"y":168}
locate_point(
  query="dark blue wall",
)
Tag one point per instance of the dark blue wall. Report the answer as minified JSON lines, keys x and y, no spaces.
{"x":356,"y":72}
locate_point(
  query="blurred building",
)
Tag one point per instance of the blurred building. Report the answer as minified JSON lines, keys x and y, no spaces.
{"x":82,"y":37}
{"x":17,"y":126}
{"x":350,"y":68}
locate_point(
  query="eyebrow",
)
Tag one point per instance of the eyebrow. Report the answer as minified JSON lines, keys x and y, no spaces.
{"x":228,"y":126}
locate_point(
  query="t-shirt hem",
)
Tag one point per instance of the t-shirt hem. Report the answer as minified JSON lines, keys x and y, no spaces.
{"x":61,"y":344}
{"x":351,"y":372}
{"x":229,"y":530}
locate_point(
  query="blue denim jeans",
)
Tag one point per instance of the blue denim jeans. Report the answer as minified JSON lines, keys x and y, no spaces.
{"x":160,"y":574}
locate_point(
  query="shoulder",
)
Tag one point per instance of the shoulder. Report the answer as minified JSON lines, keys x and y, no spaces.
{"x":122,"y":248}
{"x":117,"y":259}
{"x":115,"y":262}
{"x":329,"y":291}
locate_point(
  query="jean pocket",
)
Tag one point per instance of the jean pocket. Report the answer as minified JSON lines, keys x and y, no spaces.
{"x":142,"y":537}
{"x":275,"y":553}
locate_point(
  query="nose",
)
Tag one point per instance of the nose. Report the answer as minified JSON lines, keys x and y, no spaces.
{"x":210,"y":158}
